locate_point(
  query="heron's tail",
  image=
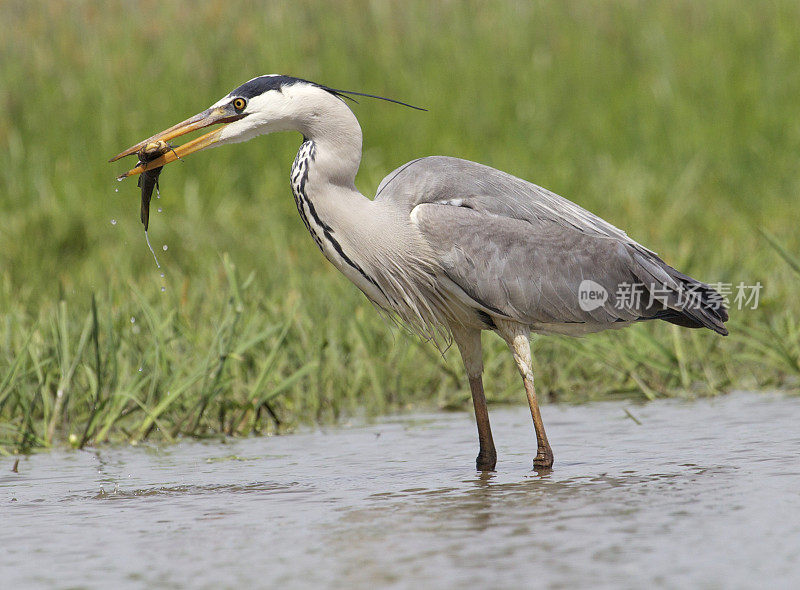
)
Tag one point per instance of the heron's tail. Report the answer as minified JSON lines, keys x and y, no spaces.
{"x":688,"y":303}
{"x":709,"y":313}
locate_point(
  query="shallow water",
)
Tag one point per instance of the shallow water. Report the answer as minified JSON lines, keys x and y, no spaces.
{"x":700,"y":494}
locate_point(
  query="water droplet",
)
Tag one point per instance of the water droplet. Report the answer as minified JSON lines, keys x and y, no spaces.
{"x":133,"y":320}
{"x":162,"y":275}
{"x":113,"y":222}
{"x":140,"y":369}
{"x":164,"y":247}
{"x":163,"y":289}
{"x":159,"y":209}
{"x":116,"y":190}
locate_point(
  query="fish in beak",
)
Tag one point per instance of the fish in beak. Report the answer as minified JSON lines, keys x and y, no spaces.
{"x":148,"y":180}
{"x":223,"y":114}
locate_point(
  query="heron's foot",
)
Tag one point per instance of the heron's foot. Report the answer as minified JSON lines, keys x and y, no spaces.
{"x":543,"y":459}
{"x":486,"y":461}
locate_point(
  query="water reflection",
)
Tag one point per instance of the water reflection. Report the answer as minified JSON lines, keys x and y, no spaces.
{"x":488,"y":499}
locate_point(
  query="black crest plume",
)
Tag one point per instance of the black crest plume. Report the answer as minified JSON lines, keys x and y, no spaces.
{"x":263,"y":84}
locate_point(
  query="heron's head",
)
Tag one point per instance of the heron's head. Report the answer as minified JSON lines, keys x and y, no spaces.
{"x":262,"y":105}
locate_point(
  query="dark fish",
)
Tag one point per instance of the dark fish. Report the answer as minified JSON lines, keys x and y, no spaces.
{"x":148,"y":180}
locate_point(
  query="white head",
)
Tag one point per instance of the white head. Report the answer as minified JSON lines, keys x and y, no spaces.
{"x":282,"y":103}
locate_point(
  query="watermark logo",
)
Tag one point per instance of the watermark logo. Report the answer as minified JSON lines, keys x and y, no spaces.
{"x":694,"y":296}
{"x":591,"y":295}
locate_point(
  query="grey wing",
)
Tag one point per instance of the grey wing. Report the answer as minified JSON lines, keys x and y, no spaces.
{"x":441,"y":179}
{"x":522,"y":252}
{"x":530,"y":274}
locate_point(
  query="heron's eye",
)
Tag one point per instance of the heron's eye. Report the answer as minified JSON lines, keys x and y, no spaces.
{"x":239,"y":104}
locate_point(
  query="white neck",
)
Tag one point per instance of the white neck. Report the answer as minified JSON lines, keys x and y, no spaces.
{"x":323,"y":184}
{"x":336,"y":134}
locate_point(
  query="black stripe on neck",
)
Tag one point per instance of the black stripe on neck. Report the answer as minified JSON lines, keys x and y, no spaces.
{"x":302,"y":167}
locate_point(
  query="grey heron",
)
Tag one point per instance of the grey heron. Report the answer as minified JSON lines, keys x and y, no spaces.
{"x":452,"y":247}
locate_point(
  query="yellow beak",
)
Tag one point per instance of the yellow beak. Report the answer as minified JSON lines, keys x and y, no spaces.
{"x":205,"y":119}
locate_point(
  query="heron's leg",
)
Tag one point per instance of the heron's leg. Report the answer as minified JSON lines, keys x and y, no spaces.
{"x":468,"y":341}
{"x":517,"y":337}
{"x":487,"y":455}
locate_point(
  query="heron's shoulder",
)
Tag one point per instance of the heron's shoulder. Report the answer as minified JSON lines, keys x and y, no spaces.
{"x":429,"y":178}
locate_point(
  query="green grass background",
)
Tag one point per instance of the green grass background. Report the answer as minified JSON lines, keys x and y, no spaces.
{"x":677,"y":121}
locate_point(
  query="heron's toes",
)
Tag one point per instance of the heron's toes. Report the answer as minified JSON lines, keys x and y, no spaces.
{"x":543,"y":459}
{"x":486,"y":461}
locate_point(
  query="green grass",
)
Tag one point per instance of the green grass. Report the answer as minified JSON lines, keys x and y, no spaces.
{"x":676,"y":121}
